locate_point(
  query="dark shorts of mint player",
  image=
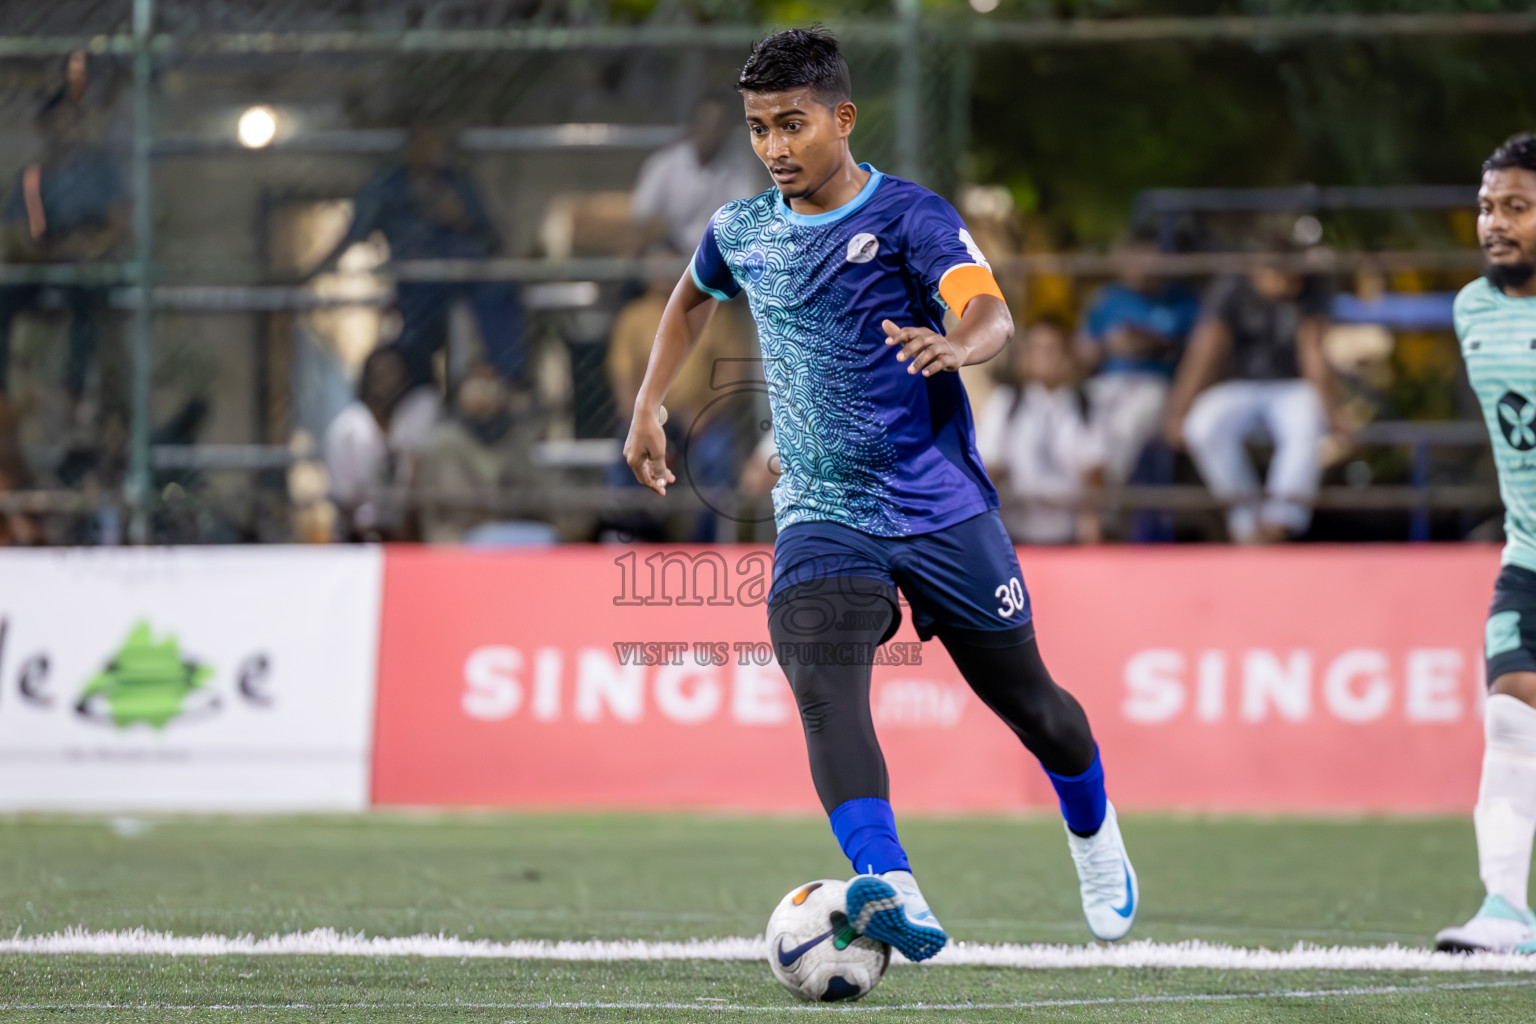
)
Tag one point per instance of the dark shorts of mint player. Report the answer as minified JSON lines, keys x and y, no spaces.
{"x":1509,"y":640}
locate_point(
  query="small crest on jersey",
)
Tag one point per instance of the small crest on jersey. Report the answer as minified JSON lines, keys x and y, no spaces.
{"x":863,"y":247}
{"x":754,"y":264}
{"x":972,"y":248}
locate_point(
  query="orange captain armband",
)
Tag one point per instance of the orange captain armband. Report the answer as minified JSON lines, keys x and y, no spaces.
{"x":963,"y":283}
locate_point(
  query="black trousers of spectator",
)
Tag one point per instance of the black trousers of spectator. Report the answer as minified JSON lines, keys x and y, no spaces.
{"x":85,"y":306}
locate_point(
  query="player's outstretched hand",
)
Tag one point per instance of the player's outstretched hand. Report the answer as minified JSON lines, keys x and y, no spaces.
{"x":646,"y":451}
{"x":927,"y":351}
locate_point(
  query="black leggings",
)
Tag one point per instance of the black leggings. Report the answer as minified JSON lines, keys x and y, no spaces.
{"x":820,"y":634}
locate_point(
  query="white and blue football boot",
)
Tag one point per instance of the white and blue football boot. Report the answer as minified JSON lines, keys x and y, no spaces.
{"x":890,"y":908}
{"x":1497,"y":927}
{"x":1106,"y":879}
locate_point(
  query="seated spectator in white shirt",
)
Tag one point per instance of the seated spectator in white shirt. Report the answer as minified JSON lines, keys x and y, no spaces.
{"x":480,"y":455}
{"x":372,"y":445}
{"x":1131,"y":337}
{"x":682,"y":185}
{"x":1034,"y":436}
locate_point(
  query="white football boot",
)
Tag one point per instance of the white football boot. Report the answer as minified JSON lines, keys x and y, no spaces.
{"x":1497,"y":927}
{"x":1106,"y":879}
{"x":890,"y":907}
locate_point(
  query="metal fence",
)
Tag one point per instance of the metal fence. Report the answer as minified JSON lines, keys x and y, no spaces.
{"x":242,"y":132}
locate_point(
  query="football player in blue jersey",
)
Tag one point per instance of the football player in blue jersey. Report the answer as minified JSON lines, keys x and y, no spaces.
{"x":848,"y":273}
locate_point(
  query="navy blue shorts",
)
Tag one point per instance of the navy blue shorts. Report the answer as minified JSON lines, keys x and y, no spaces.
{"x":1509,"y":639}
{"x":962,"y":581}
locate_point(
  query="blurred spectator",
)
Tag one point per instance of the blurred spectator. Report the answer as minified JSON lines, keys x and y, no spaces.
{"x":93,"y":83}
{"x":761,"y":472}
{"x":14,"y":476}
{"x":759,"y":475}
{"x":1131,"y":338}
{"x":1255,"y":368}
{"x":66,"y":207}
{"x":314,"y":517}
{"x":373,"y":444}
{"x":479,"y":453}
{"x":682,"y":185}
{"x":692,"y":419}
{"x":1035,"y":438}
{"x":427,"y":208}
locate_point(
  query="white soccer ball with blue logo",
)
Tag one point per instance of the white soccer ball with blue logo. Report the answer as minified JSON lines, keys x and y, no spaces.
{"x":815,"y":953}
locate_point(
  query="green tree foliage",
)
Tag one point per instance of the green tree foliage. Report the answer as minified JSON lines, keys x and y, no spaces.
{"x":1076,"y":131}
{"x":1080,"y":130}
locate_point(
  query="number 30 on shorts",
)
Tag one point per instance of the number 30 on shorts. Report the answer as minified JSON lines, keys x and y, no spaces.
{"x":1012,"y":596}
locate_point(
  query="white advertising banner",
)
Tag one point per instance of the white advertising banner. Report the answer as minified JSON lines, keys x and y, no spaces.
{"x":196,"y":679}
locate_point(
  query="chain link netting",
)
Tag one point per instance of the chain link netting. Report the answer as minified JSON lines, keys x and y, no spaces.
{"x":276,"y":128}
{"x":265,"y":315}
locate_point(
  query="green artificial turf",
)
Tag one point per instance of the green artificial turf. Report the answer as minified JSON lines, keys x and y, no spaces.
{"x":1244,"y":882}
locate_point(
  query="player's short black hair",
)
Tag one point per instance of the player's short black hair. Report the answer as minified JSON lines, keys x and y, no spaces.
{"x":795,"y":58}
{"x":1515,"y":151}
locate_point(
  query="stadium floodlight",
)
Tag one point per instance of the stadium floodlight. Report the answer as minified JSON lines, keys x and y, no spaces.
{"x":257,"y":127}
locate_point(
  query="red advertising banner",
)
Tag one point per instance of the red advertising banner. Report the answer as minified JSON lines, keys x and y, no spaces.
{"x":1300,"y":678}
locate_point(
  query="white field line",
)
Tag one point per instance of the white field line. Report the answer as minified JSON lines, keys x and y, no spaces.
{"x":721,"y":1006}
{"x":1191,"y":954}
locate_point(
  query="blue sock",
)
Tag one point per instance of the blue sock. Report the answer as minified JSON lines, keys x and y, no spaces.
{"x":866,"y":830}
{"x":1082,"y":797}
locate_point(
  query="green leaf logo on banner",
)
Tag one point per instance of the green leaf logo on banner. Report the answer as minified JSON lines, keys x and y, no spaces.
{"x":147,"y":680}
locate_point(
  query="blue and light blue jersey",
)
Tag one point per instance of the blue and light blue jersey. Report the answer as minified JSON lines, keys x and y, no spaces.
{"x":861,"y":441}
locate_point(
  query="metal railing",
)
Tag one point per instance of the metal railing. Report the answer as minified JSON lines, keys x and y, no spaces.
{"x":143,"y":286}
{"x":1420,"y":497}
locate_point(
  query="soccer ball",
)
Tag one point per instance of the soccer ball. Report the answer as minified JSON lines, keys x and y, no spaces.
{"x":815,"y":953}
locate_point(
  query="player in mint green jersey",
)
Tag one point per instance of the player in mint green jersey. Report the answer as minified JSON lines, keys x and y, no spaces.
{"x":1496,"y":323}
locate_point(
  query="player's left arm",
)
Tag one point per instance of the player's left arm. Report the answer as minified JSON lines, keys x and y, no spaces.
{"x":983,"y":330}
{"x":946,"y":259}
